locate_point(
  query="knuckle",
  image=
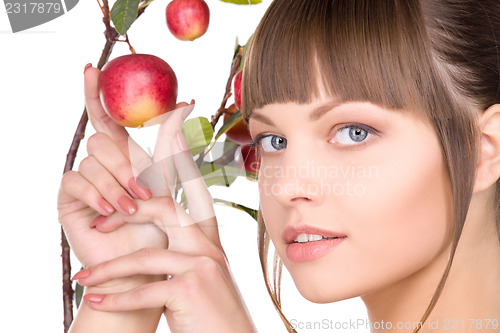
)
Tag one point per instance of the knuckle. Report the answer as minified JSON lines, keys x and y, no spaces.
{"x":138,"y":295}
{"x":87,"y":163}
{"x":114,"y":302}
{"x":96,"y":141}
{"x":123,"y":169}
{"x":144,"y":254}
{"x":68,"y":179}
{"x":167,"y":203}
{"x":216,"y":254}
{"x":207,"y":265}
{"x":110,"y":188}
{"x":166,"y":206}
{"x":191,"y":284}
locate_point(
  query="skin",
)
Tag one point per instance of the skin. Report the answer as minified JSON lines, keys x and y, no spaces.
{"x":397,"y":228}
{"x":398,"y":223}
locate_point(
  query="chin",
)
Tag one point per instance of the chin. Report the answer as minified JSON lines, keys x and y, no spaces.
{"x":321,"y":296}
{"x":325,"y":288}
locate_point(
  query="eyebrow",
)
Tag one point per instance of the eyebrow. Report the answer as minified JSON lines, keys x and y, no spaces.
{"x":314,"y":115}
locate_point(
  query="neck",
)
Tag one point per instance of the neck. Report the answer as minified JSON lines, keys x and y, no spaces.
{"x":469,"y":298}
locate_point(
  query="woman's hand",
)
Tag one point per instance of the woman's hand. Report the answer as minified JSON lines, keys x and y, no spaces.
{"x":104,"y":186}
{"x":195,"y":286}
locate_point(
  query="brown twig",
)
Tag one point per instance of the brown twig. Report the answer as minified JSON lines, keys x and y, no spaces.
{"x":227,"y":93}
{"x":111,"y":34}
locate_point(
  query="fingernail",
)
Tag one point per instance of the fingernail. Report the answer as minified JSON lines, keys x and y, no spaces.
{"x":140,"y":192}
{"x":181,"y":142}
{"x":86,"y":67}
{"x":192,"y":101}
{"x":93,"y":298}
{"x":127,"y":204}
{"x":81,"y":274}
{"x":98,"y":220}
{"x":106,"y":207}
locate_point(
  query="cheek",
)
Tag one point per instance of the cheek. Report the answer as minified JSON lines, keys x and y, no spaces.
{"x":271,"y":208}
{"x":401,"y":222}
{"x":407,"y":205}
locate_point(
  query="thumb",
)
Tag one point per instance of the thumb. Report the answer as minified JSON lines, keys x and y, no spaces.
{"x":97,"y":115}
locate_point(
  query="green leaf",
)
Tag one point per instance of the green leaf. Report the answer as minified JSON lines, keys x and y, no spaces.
{"x":235,"y":117}
{"x":217,"y":174}
{"x":78,"y":294}
{"x":245,"y":49}
{"x":198,"y":133}
{"x":243,"y":2}
{"x":249,"y":211}
{"x":123,"y":14}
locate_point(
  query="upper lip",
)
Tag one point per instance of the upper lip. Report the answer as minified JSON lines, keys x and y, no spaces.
{"x":291,"y":232}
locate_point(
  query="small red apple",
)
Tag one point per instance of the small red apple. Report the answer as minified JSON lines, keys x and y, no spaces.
{"x":187,"y":19}
{"x":239,"y":132}
{"x":237,"y":89}
{"x":251,"y":159}
{"x":136,"y":88}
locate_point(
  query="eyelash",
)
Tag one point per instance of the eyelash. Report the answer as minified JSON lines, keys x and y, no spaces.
{"x":370,"y":130}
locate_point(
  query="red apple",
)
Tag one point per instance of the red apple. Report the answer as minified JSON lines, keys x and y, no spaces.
{"x":136,"y":88}
{"x":239,"y":132}
{"x":237,"y":89}
{"x":251,"y":159}
{"x":187,"y":19}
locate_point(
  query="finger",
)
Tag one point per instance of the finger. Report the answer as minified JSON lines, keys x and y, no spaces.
{"x":144,"y":261}
{"x":166,"y":133}
{"x":96,"y":174}
{"x":114,"y":160}
{"x":97,"y":115}
{"x":203,"y":271}
{"x":74,"y":186}
{"x":199,"y":200}
{"x":160,"y":176}
{"x":152,"y":295}
{"x":169,"y":217}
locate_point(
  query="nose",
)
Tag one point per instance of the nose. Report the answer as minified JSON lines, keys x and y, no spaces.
{"x":296,"y":179}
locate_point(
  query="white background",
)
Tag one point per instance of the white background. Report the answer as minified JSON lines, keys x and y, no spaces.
{"x":41,"y":101}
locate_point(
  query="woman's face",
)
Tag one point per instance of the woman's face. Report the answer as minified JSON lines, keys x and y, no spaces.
{"x":354,"y":196}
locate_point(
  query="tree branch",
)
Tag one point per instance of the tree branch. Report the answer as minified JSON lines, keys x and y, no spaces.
{"x":227,"y":93}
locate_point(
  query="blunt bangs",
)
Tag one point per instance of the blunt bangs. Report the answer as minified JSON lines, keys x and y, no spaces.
{"x":364,"y":51}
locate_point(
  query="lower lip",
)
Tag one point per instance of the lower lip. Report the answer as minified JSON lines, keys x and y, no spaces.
{"x":300,"y":252}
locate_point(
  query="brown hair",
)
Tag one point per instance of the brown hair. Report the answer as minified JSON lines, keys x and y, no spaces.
{"x":439,"y":58}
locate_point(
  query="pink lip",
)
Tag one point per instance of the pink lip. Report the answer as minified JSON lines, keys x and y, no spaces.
{"x":300,"y":252}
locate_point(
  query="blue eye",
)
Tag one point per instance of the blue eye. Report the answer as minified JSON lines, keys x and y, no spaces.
{"x":270,"y":143}
{"x":352,"y":134}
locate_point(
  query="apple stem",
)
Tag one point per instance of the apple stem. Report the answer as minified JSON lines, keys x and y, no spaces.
{"x":129,"y":45}
{"x":126,"y":40}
